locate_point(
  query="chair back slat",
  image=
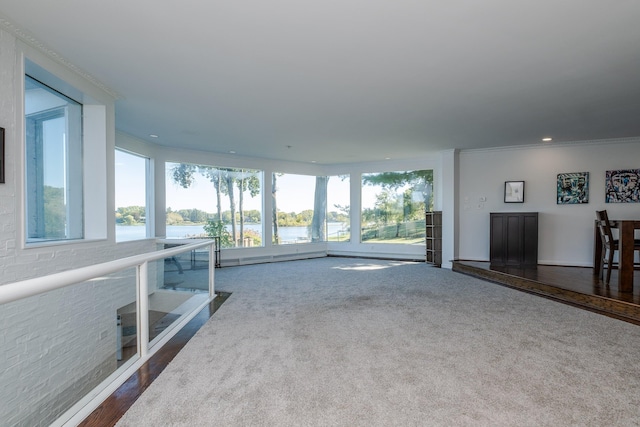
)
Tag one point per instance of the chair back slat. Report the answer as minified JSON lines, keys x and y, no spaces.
{"x":604,"y":227}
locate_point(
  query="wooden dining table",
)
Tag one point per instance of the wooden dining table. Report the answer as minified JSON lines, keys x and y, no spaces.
{"x":626,"y":233}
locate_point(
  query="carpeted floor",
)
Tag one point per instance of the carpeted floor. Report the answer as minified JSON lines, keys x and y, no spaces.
{"x":352,"y":342}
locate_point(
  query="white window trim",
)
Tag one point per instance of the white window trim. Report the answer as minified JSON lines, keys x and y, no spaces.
{"x":98,"y":141}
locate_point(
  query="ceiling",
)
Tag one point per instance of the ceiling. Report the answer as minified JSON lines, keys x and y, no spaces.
{"x":353,"y":80}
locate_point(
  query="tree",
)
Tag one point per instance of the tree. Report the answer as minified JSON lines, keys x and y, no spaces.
{"x":419,"y":180}
{"x":225,"y":182}
{"x":55,"y":214}
{"x":274,"y":190}
{"x":319,"y":220}
{"x":252,"y":216}
{"x":386,"y":207}
{"x":183,"y":175}
{"x":195,"y":216}
{"x":130,"y":215}
{"x":174,"y":218}
{"x":315,"y":218}
{"x":214,"y":175}
{"x":246,"y":180}
{"x":218,"y":229}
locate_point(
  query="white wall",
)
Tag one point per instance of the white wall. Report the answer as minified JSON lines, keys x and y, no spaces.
{"x":8,"y":190}
{"x":448,"y":182}
{"x":565,"y":231}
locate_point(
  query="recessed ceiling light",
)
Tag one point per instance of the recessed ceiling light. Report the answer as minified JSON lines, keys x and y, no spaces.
{"x":153,"y":135}
{"x":547,"y":139}
{"x":232,"y":152}
{"x":313,"y":161}
{"x":387,"y":158}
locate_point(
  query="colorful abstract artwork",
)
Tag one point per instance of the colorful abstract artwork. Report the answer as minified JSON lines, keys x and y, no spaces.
{"x":573,"y":188}
{"x":622,"y":186}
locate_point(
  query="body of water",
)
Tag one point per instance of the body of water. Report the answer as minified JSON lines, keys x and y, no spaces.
{"x":287,"y":234}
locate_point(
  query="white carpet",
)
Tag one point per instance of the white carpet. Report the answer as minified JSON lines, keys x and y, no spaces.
{"x":348,"y":342}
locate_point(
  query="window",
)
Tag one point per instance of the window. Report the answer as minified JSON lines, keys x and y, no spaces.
{"x":393,"y":206}
{"x":207,"y":201}
{"x":338,"y":202}
{"x":299,"y":208}
{"x":54,"y":184}
{"x":131,"y":196}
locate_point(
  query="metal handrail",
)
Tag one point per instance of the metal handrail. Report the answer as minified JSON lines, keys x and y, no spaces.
{"x":30,"y":287}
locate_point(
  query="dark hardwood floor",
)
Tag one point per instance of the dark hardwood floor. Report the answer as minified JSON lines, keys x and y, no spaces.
{"x":572,"y":285}
{"x":112,"y":409}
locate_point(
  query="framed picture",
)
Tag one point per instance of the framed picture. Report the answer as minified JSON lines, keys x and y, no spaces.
{"x":573,"y":188}
{"x":514,"y":192}
{"x":1,"y":155}
{"x":623,"y":186}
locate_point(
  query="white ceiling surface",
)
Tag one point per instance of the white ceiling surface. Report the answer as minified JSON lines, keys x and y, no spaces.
{"x":353,"y":80}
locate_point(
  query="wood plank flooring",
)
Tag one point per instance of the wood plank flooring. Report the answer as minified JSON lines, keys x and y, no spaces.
{"x":112,"y":409}
{"x":572,"y":285}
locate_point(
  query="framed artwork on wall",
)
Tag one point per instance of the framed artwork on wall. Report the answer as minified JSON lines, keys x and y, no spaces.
{"x":622,"y":186}
{"x":573,"y":188}
{"x":514,"y":192}
{"x":2,"y":156}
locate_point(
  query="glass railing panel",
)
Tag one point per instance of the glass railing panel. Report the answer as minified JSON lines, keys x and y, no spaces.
{"x":59,"y":345}
{"x":177,"y":286}
{"x":127,"y":316}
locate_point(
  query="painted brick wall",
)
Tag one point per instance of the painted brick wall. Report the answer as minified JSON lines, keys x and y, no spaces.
{"x":59,"y":345}
{"x":55,"y":346}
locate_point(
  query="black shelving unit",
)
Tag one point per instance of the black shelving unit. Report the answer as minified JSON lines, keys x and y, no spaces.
{"x":433,"y":238}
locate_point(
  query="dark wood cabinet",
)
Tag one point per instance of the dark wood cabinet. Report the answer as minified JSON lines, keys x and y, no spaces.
{"x":514,"y":239}
{"x":433,"y":237}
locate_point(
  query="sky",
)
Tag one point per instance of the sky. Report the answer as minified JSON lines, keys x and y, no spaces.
{"x":130,"y":178}
{"x":295,"y":192}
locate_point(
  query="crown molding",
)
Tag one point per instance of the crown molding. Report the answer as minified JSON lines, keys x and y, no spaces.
{"x":556,"y":145}
{"x":28,"y":38}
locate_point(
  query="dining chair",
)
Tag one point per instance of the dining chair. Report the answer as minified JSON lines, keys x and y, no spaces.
{"x":609,"y":244}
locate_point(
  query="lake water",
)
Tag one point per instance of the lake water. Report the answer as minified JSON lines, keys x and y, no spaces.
{"x":287,"y":234}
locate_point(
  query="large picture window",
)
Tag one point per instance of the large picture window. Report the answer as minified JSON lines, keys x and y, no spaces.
{"x":393,"y":206}
{"x":131,"y":196}
{"x":207,"y":201}
{"x":299,"y":208}
{"x":54,"y":184}
{"x":309,"y":209}
{"x":338,"y":208}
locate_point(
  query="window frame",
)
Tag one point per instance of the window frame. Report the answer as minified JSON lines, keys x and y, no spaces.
{"x":147,"y":197}
{"x":397,"y":204}
{"x":197,"y":177}
{"x":97,"y":141}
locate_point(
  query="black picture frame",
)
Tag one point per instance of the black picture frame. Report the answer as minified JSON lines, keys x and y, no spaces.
{"x":514,"y":191}
{"x":621,"y":186}
{"x":572,"y":188}
{"x":2,"y":167}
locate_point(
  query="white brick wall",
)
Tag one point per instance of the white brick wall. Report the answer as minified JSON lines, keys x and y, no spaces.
{"x":56,"y":346}
{"x":59,"y":345}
